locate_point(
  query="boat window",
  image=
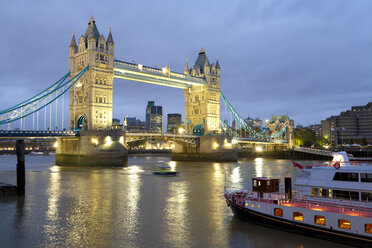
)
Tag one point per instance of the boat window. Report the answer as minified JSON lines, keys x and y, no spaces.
{"x":254,"y":183}
{"x":346,"y":195}
{"x":319,"y":220}
{"x":366,"y":196}
{"x":366,"y":177}
{"x":344,"y":224}
{"x":314,"y":192}
{"x":278,"y":212}
{"x":345,"y":176}
{"x":325,"y":192}
{"x":298,"y":216}
{"x":368,"y":228}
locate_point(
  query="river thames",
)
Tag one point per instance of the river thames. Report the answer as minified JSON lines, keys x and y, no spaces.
{"x":131,"y":207}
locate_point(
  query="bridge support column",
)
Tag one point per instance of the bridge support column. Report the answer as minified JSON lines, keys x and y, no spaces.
{"x":93,"y":148}
{"x":212,"y":148}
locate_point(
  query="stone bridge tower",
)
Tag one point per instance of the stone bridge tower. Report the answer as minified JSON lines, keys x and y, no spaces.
{"x":202,"y":103}
{"x":91,"y":96}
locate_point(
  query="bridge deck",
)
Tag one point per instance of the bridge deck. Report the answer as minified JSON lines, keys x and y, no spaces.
{"x":36,"y":134}
{"x":146,"y":74}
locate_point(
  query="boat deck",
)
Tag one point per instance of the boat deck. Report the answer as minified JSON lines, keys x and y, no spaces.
{"x":239,"y":199}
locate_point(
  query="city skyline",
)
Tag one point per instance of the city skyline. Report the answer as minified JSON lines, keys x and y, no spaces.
{"x":309,"y":60}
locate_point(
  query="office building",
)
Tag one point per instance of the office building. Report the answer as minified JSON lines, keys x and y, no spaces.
{"x":351,"y":126}
{"x":174,"y":123}
{"x":154,"y":118}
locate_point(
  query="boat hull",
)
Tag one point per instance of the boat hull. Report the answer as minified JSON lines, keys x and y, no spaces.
{"x":166,"y":173}
{"x":291,"y":226}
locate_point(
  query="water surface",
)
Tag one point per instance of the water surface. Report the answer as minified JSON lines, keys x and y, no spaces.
{"x":131,"y":207}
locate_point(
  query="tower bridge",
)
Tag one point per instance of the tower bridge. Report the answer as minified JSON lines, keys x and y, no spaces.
{"x":92,"y":68}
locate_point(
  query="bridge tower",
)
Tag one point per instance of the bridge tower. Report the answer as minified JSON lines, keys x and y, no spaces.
{"x":202,"y":103}
{"x":91,"y":96}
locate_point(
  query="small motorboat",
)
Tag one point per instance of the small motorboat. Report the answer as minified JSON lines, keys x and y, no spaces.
{"x":166,"y":172}
{"x":163,"y":166}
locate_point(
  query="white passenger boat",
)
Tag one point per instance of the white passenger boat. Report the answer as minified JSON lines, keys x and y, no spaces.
{"x":331,"y":201}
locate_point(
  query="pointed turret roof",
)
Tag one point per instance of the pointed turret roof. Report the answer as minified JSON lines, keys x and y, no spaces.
{"x":202,"y":60}
{"x":109,"y":38}
{"x":92,"y":30}
{"x":73,"y":41}
{"x":186,"y":66}
{"x":217,"y":64}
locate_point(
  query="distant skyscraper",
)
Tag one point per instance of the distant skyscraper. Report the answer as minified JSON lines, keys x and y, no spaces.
{"x":174,"y":123}
{"x":154,"y":118}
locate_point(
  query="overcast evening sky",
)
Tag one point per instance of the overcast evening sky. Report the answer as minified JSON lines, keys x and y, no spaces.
{"x":310,"y":59}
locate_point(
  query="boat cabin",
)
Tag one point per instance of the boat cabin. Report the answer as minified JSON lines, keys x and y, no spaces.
{"x":263,"y":185}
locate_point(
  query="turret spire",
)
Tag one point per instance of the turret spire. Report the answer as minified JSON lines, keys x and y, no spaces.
{"x":109,"y":38}
{"x":73,"y":41}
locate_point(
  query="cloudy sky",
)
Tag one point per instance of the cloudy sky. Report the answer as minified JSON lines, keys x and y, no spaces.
{"x":310,"y":59}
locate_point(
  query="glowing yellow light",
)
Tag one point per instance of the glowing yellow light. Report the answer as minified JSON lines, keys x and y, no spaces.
{"x":181,"y":130}
{"x":108,"y":140}
{"x":172,"y":164}
{"x":121,"y":140}
{"x":94,"y":141}
{"x":228,"y":145}
{"x":258,"y":149}
{"x":215,"y":145}
{"x":54,"y":168}
{"x":78,"y":85}
{"x":234,"y":141}
{"x":55,"y":144}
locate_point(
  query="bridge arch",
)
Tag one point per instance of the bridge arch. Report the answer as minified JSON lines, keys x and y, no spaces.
{"x":198,"y":130}
{"x":81,"y":122}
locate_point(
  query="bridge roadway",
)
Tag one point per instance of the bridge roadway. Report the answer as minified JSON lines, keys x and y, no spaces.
{"x":130,"y":137}
{"x":36,"y":134}
{"x":147,"y":74}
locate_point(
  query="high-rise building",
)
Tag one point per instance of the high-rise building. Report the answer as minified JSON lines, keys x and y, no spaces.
{"x":351,"y":126}
{"x":154,"y":118}
{"x":174,"y":123}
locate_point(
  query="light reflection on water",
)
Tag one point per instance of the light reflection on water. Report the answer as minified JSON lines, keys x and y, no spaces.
{"x":131,"y":207}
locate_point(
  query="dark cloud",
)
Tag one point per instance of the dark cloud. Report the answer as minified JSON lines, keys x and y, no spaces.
{"x":310,"y":59}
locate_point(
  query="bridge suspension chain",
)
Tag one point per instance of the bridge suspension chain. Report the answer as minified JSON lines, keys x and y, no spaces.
{"x":40,"y":101}
{"x":245,"y":126}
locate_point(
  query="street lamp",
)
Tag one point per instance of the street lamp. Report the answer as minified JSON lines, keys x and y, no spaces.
{"x":181,"y":130}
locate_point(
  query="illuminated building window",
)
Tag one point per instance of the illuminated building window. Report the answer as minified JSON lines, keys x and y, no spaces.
{"x":319,"y":220}
{"x":278,"y":212}
{"x":100,"y":99}
{"x":298,"y":216}
{"x":368,"y":228}
{"x":344,"y":224}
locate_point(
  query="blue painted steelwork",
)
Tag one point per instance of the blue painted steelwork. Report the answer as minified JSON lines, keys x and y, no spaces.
{"x":147,"y":74}
{"x":80,"y":122}
{"x":253,"y":133}
{"x":228,"y":129}
{"x":43,"y":98}
{"x":36,"y":134}
{"x":198,"y":130}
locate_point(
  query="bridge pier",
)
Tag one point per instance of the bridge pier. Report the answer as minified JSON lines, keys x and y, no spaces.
{"x":212,"y":148}
{"x":92,"y":148}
